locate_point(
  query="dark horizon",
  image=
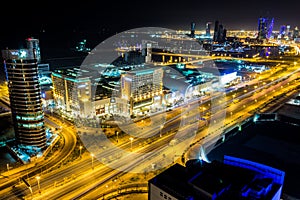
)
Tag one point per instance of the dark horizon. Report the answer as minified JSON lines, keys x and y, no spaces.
{"x":63,"y":25}
{"x":133,"y":14}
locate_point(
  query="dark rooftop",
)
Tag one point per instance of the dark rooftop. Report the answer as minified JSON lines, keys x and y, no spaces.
{"x":215,"y":180}
{"x":273,"y":143}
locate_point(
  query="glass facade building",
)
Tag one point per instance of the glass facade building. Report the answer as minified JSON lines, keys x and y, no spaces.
{"x":21,"y":67}
{"x":142,"y":87}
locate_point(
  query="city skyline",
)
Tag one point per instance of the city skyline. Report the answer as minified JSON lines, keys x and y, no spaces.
{"x":99,"y":21}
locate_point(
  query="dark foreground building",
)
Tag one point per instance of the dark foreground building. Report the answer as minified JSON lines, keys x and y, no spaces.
{"x":235,"y":178}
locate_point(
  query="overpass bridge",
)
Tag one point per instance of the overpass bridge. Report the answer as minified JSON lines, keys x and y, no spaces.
{"x":196,"y":58}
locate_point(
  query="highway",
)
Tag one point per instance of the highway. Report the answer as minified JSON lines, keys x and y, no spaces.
{"x":243,"y":108}
{"x":78,"y":178}
{"x":12,"y":188}
{"x":239,"y":110}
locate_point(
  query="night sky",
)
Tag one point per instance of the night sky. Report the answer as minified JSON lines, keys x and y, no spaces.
{"x":61,"y":23}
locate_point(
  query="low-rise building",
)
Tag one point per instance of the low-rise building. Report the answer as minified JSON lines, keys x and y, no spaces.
{"x":235,"y":178}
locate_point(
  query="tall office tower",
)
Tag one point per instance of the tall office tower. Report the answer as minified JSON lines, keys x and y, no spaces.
{"x":21,"y":67}
{"x":296,"y":32}
{"x":33,"y":44}
{"x":282,"y":30}
{"x":270,"y":28}
{"x":193,"y":27}
{"x":262,"y":28}
{"x":219,"y":33}
{"x":224,"y":34}
{"x":265,"y":28}
{"x":207,"y":28}
{"x":221,"y":36}
{"x":216,"y":31}
{"x":288,"y":31}
{"x":148,"y":57}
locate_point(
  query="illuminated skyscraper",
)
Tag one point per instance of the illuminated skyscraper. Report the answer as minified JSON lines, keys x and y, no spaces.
{"x":270,"y":28}
{"x":262,"y":28}
{"x":265,"y":28}
{"x":207,"y":28}
{"x":282,"y":30}
{"x":296,"y":32}
{"x":288,"y":31}
{"x":21,"y":67}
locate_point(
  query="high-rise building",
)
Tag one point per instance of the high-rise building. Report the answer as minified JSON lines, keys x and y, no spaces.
{"x":216,"y":31}
{"x":72,"y":94}
{"x":262,"y":28}
{"x":282,"y":30}
{"x":21,"y":67}
{"x":148,"y":56}
{"x":265,"y":28}
{"x":219,"y":33}
{"x":33,"y":43}
{"x":288,"y":31}
{"x":296,"y":33}
{"x":193,"y":28}
{"x":270,"y":28}
{"x":207,"y":28}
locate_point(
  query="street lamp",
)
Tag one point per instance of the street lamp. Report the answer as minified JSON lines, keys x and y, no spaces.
{"x":92,"y":160}
{"x":131,"y":139}
{"x":80,"y":148}
{"x":38,"y":181}
{"x":233,"y":96}
{"x":7,"y":165}
{"x":117,"y":137}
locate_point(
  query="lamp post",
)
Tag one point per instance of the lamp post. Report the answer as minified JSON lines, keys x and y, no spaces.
{"x":38,"y":181}
{"x":131,"y":139}
{"x":7,"y":165}
{"x":92,"y":155}
{"x":117,"y":137}
{"x":30,"y":189}
{"x":203,"y":109}
{"x":80,"y":148}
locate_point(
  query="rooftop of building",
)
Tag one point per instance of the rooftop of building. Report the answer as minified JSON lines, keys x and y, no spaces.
{"x":291,"y":111}
{"x":215,"y":180}
{"x":145,"y":69}
{"x":273,"y":143}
